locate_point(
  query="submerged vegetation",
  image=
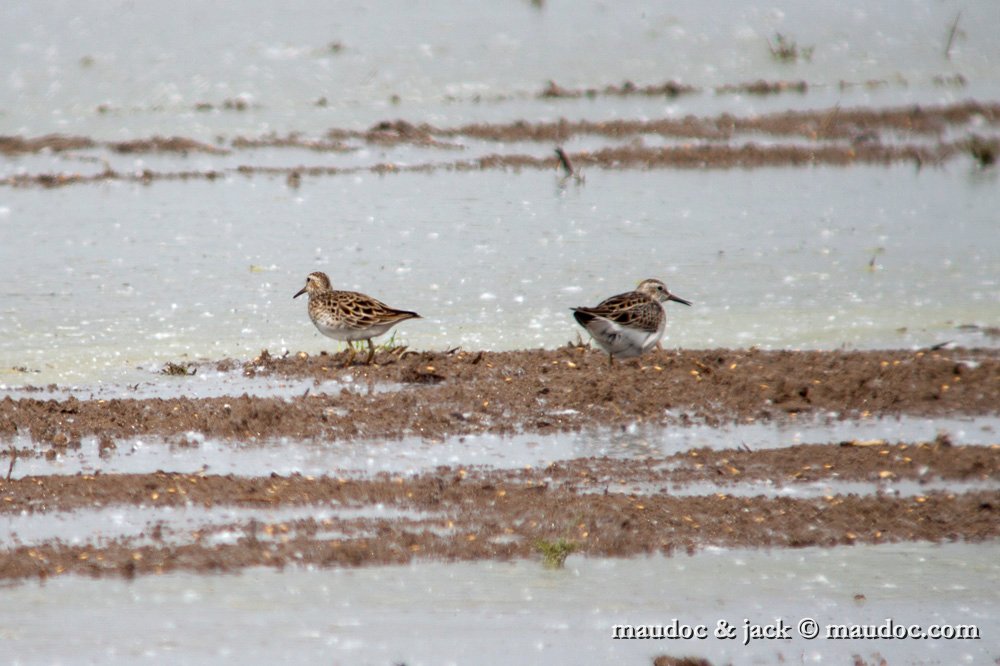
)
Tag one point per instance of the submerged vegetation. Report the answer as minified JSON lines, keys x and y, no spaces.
{"x":984,"y":151}
{"x":179,"y":369}
{"x":785,"y":49}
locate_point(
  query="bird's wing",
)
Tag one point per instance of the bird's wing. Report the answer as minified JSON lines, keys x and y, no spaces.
{"x":630,"y":309}
{"x":362,"y":311}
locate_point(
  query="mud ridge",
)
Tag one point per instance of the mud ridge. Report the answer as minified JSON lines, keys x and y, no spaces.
{"x":468,"y":517}
{"x":836,"y":137}
{"x":460,"y":393}
{"x":604,"y":506}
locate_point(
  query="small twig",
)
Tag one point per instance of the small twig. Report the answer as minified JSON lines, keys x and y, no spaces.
{"x":872,"y":263}
{"x":13,"y":459}
{"x":567,"y":166}
{"x":828,"y":119}
{"x":951,"y":36}
{"x":564,"y":160}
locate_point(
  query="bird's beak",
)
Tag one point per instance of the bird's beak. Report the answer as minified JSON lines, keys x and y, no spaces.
{"x":301,"y":291}
{"x":671,"y":297}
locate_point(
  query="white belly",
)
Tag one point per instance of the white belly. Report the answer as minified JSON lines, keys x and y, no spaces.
{"x":623,"y":342}
{"x":348,"y":333}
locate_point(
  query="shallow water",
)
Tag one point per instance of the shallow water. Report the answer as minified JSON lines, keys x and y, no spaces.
{"x":176,"y":525}
{"x":500,"y":613}
{"x":138,"y":276}
{"x":149,"y":68}
{"x":202,"y":381}
{"x":413,"y":455}
{"x":102,"y":284}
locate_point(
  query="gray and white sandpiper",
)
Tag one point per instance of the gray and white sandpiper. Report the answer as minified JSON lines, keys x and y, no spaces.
{"x":630,"y":324}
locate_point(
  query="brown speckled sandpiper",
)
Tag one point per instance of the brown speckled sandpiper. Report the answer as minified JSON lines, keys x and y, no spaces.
{"x":349,"y":315}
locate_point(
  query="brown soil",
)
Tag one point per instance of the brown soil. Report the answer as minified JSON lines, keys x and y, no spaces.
{"x":463,"y":393}
{"x":821,"y":123}
{"x":759,"y":87}
{"x":56,"y":143}
{"x":836,"y":137}
{"x":680,"y":661}
{"x":159,"y":144}
{"x":473,"y":513}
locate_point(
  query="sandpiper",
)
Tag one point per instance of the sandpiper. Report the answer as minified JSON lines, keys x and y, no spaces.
{"x":629,"y":324}
{"x":349,"y":315}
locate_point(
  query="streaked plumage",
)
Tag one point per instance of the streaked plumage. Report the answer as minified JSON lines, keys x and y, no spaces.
{"x":349,"y":315}
{"x":628,"y":324}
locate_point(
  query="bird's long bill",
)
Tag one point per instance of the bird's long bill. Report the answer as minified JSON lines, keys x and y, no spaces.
{"x":671,"y":297}
{"x":300,"y":292}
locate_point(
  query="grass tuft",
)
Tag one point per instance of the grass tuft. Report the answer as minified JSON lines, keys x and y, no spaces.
{"x":554,"y":553}
{"x":390,"y":346}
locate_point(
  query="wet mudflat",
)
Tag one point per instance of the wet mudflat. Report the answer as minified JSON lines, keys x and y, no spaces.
{"x":474,"y":516}
{"x":922,"y":136}
{"x":604,"y":506}
{"x":462,"y":392}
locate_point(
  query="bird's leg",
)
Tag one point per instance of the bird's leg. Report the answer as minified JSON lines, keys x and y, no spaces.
{"x":611,"y":360}
{"x":371,"y":352}
{"x":350,"y":356}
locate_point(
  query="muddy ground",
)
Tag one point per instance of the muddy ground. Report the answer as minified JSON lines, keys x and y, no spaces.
{"x":918,"y":135}
{"x":461,"y":393}
{"x":600,"y":506}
